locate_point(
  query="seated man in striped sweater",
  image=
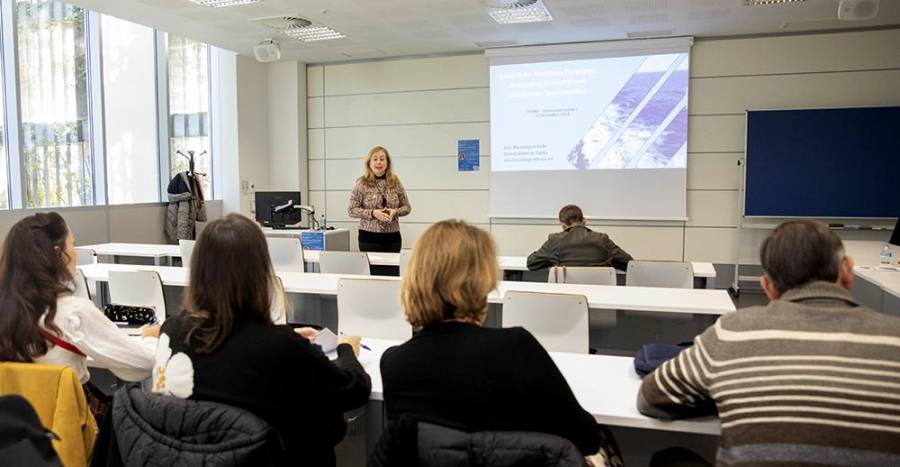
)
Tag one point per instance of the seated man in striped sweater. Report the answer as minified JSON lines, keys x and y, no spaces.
{"x":810,"y":378}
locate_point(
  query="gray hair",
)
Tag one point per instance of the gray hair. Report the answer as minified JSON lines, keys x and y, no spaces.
{"x":801,"y":251}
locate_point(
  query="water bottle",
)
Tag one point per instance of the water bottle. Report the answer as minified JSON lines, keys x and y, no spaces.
{"x":322,"y":223}
{"x":886,"y":254}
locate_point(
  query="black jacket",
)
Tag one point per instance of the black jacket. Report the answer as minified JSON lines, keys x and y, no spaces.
{"x":154,"y":430}
{"x":23,"y":440}
{"x":427,"y":445}
{"x":282,"y":378}
{"x":578,"y":246}
{"x":473,"y":378}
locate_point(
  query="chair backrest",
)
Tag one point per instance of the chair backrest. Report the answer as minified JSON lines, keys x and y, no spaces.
{"x":227,"y":435}
{"x":371,"y":308}
{"x":558,"y":321}
{"x":405,"y":256}
{"x":582,"y":275}
{"x":80,"y":284}
{"x":85,"y":256}
{"x":286,"y":253}
{"x":344,"y":262}
{"x":660,"y":274}
{"x":187,"y":249}
{"x":53,"y":390}
{"x":138,"y":288}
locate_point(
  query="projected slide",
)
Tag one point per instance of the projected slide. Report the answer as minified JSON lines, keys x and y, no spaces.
{"x":608,"y":113}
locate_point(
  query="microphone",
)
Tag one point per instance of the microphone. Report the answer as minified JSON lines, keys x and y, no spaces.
{"x":284,"y":207}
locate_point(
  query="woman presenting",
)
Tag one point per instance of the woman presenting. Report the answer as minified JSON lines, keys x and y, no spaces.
{"x":378,"y":200}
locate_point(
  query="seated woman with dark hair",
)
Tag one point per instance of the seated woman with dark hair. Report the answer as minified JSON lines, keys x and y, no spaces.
{"x":224,"y":348}
{"x":459,"y":374}
{"x":42,"y":322}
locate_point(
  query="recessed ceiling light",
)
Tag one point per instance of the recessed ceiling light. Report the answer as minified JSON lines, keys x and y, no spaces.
{"x":314,"y":33}
{"x":221,"y":3}
{"x":769,"y":2}
{"x":517,"y":12}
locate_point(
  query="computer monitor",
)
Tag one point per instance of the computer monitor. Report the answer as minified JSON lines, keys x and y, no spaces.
{"x":267,"y":201}
{"x":895,"y":235}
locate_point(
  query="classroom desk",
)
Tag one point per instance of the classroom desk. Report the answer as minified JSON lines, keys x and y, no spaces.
{"x":159,"y":252}
{"x":335,"y":239}
{"x":878,"y":287}
{"x":683,"y":301}
{"x":606,"y":386}
{"x":703,"y":271}
{"x":507,"y":263}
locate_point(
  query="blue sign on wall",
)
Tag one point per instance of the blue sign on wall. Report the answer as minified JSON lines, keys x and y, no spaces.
{"x":468,"y":155}
{"x":312,"y":240}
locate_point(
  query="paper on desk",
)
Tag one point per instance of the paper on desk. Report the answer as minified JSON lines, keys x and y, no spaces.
{"x":327,"y":340}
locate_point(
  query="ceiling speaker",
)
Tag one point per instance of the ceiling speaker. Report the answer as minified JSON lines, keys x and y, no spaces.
{"x":857,"y":10}
{"x":267,"y":51}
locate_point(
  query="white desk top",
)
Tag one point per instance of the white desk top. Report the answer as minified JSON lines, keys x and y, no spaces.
{"x":885,"y":277}
{"x":507,"y":263}
{"x":606,"y":386}
{"x":699,"y":301}
{"x":143,"y":250}
{"x":867,"y":253}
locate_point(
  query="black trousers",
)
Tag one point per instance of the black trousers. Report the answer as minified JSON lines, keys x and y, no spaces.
{"x":390,"y":242}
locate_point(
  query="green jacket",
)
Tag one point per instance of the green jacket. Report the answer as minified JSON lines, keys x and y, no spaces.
{"x":578,"y":246}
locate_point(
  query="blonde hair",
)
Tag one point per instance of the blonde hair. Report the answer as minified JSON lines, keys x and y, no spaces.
{"x":452,"y":270}
{"x":369,"y":176}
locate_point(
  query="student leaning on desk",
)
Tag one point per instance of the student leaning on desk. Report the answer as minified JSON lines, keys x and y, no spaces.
{"x":455,"y":372}
{"x":811,"y":378}
{"x":577,"y":245}
{"x":42,"y":322}
{"x":225,"y":348}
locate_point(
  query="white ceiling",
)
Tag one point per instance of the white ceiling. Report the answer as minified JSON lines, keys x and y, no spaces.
{"x":391,"y":28}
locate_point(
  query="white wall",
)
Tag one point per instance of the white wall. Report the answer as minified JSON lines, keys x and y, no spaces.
{"x":253,"y":127}
{"x":419,"y":108}
{"x":287,"y":127}
{"x":261,"y":132}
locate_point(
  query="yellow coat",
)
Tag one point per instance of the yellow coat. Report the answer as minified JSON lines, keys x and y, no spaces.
{"x":57,"y":397}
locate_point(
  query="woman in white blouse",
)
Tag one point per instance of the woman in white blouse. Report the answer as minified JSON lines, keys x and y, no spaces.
{"x":40,"y":320}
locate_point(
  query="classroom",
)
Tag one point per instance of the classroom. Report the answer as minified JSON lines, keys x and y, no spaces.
{"x":449,"y":232}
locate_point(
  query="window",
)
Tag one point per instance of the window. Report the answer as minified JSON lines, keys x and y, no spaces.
{"x":129,"y":110}
{"x":56,"y":154}
{"x":189,"y":107}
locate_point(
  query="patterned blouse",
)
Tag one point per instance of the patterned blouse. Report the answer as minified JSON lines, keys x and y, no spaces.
{"x":367,"y":197}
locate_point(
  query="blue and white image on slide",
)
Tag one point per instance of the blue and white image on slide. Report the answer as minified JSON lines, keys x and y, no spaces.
{"x":645,"y":124}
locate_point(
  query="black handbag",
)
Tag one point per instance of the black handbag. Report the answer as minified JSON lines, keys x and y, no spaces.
{"x":128,"y":314}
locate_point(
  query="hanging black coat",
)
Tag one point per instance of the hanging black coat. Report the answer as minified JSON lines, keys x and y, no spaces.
{"x":185,"y":208}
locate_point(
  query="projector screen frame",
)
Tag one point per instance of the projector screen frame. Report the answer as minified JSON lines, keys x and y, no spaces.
{"x":591,"y":51}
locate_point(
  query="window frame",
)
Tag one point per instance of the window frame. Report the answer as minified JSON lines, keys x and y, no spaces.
{"x":13,"y":137}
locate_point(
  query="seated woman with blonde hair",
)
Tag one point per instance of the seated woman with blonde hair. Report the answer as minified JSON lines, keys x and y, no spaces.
{"x":459,"y":374}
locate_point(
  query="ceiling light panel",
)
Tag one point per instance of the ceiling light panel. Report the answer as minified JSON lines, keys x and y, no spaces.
{"x":223,"y":3}
{"x":533,"y":13}
{"x":314,"y":33}
{"x":769,"y":2}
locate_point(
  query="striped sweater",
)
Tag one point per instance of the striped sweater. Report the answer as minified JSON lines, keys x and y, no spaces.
{"x":812,"y":378}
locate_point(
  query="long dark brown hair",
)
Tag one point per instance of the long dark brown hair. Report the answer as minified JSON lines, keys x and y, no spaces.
{"x":231,"y":278}
{"x":33,"y":273}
